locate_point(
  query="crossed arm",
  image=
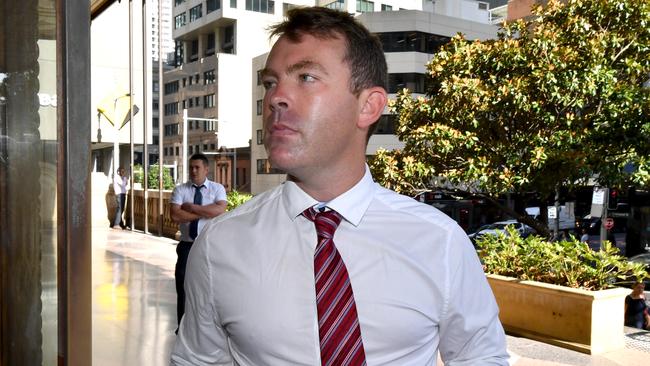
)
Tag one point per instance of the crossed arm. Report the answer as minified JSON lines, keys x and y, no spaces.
{"x":189,"y":211}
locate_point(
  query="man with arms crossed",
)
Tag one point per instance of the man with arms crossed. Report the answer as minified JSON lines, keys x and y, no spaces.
{"x":329,"y":268}
{"x":191,"y":204}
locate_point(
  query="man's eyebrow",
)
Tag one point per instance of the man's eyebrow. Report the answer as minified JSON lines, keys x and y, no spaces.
{"x":267,"y":72}
{"x":306,"y":64}
{"x":298,"y":66}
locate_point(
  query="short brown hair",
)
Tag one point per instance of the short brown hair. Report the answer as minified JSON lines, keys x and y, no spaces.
{"x":363,"y":53}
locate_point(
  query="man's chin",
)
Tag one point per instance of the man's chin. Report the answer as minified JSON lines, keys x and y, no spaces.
{"x":282,"y":165}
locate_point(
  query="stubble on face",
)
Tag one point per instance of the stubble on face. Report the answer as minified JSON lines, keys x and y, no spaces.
{"x":309,"y":110}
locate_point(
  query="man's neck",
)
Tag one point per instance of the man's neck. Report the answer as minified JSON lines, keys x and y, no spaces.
{"x":326,"y":187}
{"x":201,"y":183}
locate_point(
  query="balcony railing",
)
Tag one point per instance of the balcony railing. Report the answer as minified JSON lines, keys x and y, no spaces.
{"x":169,"y":227}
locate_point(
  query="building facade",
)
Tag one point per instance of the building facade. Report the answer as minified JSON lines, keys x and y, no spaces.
{"x":216,"y":45}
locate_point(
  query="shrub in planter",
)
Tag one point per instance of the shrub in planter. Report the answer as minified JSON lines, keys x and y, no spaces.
{"x":569,"y":263}
{"x":236,"y":198}
{"x":559,"y":292}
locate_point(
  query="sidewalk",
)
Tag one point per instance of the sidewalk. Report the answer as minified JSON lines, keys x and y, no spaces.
{"x":160,"y":253}
{"x":526,"y":352}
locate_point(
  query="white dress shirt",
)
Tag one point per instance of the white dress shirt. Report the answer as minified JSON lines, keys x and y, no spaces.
{"x":120,"y":184}
{"x":212,"y":193}
{"x":417,"y":281}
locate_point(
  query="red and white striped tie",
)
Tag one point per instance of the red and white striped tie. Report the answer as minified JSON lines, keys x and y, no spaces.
{"x":338,"y":322}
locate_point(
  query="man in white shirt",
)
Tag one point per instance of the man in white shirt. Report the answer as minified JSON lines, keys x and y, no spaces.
{"x":192,"y":203}
{"x":120,"y":185}
{"x":253,"y":291}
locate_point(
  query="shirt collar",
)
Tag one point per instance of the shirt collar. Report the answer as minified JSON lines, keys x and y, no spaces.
{"x":352,"y":204}
{"x":204,"y":184}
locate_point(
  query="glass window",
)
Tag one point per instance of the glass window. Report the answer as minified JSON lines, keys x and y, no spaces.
{"x":208,"y":101}
{"x":178,"y":53}
{"x":196,"y":12}
{"x":413,"y":81}
{"x":171,"y":87}
{"x":208,"y":77}
{"x":261,"y":6}
{"x":386,"y":125}
{"x":29,"y":146}
{"x":260,"y":137}
{"x":259,"y":107}
{"x":228,"y":45}
{"x":180,"y":20}
{"x":233,"y":4}
{"x":385,"y":7}
{"x":171,"y":108}
{"x":212,"y":5}
{"x":336,"y":5}
{"x":210,"y":44}
{"x":194,"y":50}
{"x":411,"y":42}
{"x":264,"y":167}
{"x":364,"y":6}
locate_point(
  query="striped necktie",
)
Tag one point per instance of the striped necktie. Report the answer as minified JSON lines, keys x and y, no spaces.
{"x":338,"y":323}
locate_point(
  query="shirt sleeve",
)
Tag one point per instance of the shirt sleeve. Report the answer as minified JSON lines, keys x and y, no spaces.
{"x":201,"y":339}
{"x":220,"y":193}
{"x":470,"y":330}
{"x":176,"y":198}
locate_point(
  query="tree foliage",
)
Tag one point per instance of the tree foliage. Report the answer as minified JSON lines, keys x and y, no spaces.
{"x":168,"y":181}
{"x":554,"y":100}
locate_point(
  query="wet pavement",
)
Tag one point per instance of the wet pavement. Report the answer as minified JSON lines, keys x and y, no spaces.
{"x":134,"y":310}
{"x":134,"y":298}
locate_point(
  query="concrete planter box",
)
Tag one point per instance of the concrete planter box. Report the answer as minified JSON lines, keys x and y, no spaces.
{"x":585,"y":321}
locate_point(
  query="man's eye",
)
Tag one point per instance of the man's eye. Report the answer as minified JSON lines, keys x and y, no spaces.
{"x":307,"y":78}
{"x":268,"y":84}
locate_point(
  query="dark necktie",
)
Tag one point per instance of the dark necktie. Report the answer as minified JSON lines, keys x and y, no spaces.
{"x":338,"y":322}
{"x":198,"y":199}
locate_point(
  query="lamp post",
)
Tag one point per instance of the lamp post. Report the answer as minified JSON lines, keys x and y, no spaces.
{"x":185,"y":175}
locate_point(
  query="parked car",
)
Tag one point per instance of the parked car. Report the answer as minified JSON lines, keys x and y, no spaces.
{"x":500,"y":227}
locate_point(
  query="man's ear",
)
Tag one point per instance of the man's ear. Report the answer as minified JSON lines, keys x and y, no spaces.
{"x":373,"y":100}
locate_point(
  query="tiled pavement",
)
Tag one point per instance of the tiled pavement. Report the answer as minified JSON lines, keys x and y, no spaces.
{"x":134,"y":310}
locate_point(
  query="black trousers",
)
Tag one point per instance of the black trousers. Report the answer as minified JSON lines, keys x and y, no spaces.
{"x":183,"y":251}
{"x":120,"y":199}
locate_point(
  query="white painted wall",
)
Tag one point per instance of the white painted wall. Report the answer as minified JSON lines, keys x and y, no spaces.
{"x":110,"y":68}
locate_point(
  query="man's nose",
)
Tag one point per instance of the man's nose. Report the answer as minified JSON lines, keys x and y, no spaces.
{"x":278,"y":98}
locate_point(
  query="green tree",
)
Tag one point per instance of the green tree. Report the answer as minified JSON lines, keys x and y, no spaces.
{"x":168,"y":182}
{"x":553,"y":101}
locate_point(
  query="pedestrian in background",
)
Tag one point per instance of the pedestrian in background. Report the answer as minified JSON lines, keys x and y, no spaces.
{"x":192,"y":203}
{"x":329,"y":268}
{"x":120,"y":186}
{"x":585,"y":236}
{"x":636,"y":309}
